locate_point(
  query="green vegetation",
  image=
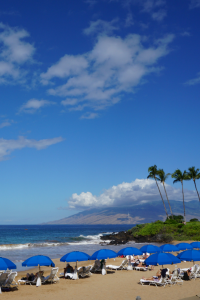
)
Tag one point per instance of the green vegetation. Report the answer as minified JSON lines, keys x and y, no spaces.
{"x":172,"y":229}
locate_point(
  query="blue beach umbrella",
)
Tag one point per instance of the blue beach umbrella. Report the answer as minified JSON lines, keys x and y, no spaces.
{"x":190,"y":255}
{"x":169,"y":248}
{"x":129,"y":251}
{"x":38,"y":260}
{"x":6,"y":264}
{"x":161,"y":259}
{"x":103,"y":254}
{"x":75,"y":256}
{"x":184,"y":246}
{"x":150,"y":249}
{"x":175,"y":259}
{"x":195,"y":245}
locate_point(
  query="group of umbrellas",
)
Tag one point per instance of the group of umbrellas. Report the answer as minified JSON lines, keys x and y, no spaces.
{"x":159,"y":255}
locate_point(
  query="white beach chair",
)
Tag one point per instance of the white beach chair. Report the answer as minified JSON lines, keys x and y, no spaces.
{"x":24,"y":281}
{"x":141,"y":268}
{"x":123,"y":266}
{"x":52,"y":277}
{"x":95,"y":268}
{"x":161,"y":282}
{"x":11,"y":280}
{"x":175,"y":279}
{"x":70,"y":275}
{"x":3,"y":278}
{"x":84,"y":271}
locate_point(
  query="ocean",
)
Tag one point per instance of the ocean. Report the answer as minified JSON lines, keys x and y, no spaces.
{"x":18,"y":242}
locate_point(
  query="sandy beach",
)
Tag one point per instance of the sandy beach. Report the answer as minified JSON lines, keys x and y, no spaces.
{"x":115,"y":285}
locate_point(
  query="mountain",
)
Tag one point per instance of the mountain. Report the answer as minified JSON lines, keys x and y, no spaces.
{"x":137,"y":214}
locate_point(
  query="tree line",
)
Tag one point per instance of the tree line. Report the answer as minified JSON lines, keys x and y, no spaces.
{"x":159,"y":175}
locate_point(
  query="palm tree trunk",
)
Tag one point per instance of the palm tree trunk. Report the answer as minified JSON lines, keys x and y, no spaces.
{"x":168,"y":200}
{"x":183,"y":201}
{"x":196,"y":189}
{"x":162,"y":198}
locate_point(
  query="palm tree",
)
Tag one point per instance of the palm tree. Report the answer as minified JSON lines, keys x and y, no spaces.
{"x":153,"y":172}
{"x":194,"y":174}
{"x":179,"y":177}
{"x":163,"y":177}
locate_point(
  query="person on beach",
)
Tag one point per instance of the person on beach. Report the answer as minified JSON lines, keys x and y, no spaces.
{"x":154,"y":278}
{"x":102,"y":262}
{"x":187,"y":274}
{"x":68,"y":269}
{"x":144,"y":265}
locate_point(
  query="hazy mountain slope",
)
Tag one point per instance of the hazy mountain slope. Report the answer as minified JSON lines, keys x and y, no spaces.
{"x":141,"y":213}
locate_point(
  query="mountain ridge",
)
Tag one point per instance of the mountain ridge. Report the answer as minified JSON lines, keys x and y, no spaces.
{"x":136,"y":214}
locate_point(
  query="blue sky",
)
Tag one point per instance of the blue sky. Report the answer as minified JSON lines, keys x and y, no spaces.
{"x":93,"y":93}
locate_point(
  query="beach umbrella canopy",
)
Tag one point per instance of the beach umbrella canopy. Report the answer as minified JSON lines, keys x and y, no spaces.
{"x":184,"y":246}
{"x":129,"y":251}
{"x":40,"y":260}
{"x":161,"y":259}
{"x":103,"y":254}
{"x":169,"y":248}
{"x":150,"y":249}
{"x":190,"y":255}
{"x":195,"y":244}
{"x":6,"y":264}
{"x":175,"y":259}
{"x":75,"y":256}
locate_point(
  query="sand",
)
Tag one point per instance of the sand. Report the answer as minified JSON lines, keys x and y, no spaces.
{"x":116,"y":285}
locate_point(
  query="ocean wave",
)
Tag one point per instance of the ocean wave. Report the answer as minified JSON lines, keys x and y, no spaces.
{"x":29,"y":245}
{"x":90,"y":239}
{"x":79,"y":240}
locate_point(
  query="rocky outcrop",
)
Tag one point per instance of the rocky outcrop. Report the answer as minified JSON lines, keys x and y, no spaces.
{"x":124,"y":237}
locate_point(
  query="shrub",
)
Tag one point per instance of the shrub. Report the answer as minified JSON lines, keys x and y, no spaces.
{"x":194,"y":220}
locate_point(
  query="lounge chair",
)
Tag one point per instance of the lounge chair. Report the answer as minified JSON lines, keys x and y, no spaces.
{"x":73,"y":275}
{"x":3,"y":278}
{"x":52,"y":277}
{"x":161,"y":282}
{"x":141,"y":268}
{"x":95,"y":268}
{"x":84,"y":271}
{"x":194,"y":272}
{"x":175,"y":279}
{"x":10,"y":280}
{"x":24,"y":281}
{"x":123,"y":266}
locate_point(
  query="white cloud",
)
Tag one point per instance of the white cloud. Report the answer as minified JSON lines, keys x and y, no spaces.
{"x":32,"y":105}
{"x":6,"y":123}
{"x":159,"y":15}
{"x":14,"y":52}
{"x":194,"y":3}
{"x":125,"y":194}
{"x":91,"y":2}
{"x":186,"y":33}
{"x":129,"y":20}
{"x":101,"y":27}
{"x":69,"y":101}
{"x":156,"y":8}
{"x":194,"y":80}
{"x":89,"y":116}
{"x":8,"y":146}
{"x":68,"y":65}
{"x":98,"y":79}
